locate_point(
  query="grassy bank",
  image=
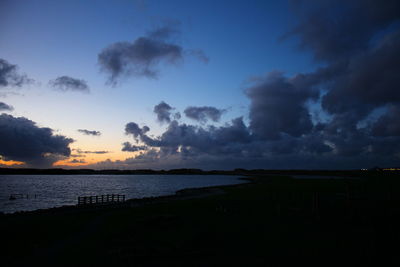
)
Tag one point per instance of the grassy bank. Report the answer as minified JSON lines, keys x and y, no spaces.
{"x":273,"y":221}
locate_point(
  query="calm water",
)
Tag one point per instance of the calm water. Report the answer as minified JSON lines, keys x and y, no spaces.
{"x":59,"y":190}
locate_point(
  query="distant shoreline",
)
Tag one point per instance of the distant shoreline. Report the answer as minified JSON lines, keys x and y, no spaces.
{"x":242,"y":172}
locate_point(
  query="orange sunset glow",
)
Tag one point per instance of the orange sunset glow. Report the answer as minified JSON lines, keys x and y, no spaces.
{"x":11,"y":162}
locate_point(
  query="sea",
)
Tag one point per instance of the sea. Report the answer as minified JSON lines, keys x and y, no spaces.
{"x":47,"y":191}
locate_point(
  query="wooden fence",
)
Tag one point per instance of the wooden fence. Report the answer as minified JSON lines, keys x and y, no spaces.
{"x":102,"y":199}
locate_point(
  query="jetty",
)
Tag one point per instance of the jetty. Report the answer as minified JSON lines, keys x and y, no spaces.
{"x":100,"y":199}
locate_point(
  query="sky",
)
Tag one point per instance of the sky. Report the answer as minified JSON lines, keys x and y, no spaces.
{"x":138,"y":84}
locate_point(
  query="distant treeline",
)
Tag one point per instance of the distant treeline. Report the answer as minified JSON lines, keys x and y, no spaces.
{"x":186,"y":171}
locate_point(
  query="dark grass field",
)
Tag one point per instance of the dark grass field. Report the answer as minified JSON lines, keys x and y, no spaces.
{"x":274,"y":221}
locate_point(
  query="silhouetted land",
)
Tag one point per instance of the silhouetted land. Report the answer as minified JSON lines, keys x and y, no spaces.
{"x":274,"y":221}
{"x":26,"y":171}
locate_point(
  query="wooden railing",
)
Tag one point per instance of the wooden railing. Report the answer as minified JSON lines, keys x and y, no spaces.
{"x":102,"y":199}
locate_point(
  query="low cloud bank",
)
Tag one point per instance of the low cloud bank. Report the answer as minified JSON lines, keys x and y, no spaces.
{"x":22,"y":140}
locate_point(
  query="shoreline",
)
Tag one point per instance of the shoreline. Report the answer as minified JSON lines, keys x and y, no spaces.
{"x":249,"y":224}
{"x":182,"y":194}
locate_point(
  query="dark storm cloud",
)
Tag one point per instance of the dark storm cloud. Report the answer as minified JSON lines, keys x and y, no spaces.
{"x":188,"y":139}
{"x":66,"y":83}
{"x":278,"y":106}
{"x":9,"y":75}
{"x":360,"y":42}
{"x":233,"y":145}
{"x":88,"y":132}
{"x":143,"y":56}
{"x":163,"y":111}
{"x":5,"y":107}
{"x":367,"y":81}
{"x":202,"y":114}
{"x":134,"y":129}
{"x":228,"y":146}
{"x":128,"y":147}
{"x":22,"y":140}
{"x":388,"y":124}
{"x":334,"y":30}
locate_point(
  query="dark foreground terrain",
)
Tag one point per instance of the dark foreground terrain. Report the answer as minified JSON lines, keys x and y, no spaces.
{"x":274,"y":221}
